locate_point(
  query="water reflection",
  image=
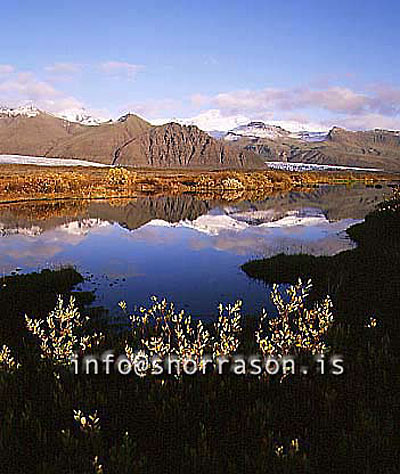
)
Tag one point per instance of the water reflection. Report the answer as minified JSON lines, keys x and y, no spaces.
{"x":185,"y":248}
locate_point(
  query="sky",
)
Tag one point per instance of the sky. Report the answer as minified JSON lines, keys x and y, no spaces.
{"x":329,"y":63}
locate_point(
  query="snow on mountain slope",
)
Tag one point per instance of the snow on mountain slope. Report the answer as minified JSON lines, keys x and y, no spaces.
{"x":257,"y":130}
{"x":210,"y":121}
{"x":72,"y":115}
{"x":233,"y":127}
{"x":308,"y":136}
{"x":82,"y":117}
{"x":296,"y":127}
{"x":24,"y":110}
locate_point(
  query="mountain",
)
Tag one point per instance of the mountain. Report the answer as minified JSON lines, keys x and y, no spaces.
{"x":132,"y":141}
{"x":211,"y":121}
{"x":25,"y":111}
{"x":82,"y":117}
{"x":308,"y":136}
{"x":218,"y":125}
{"x":372,"y":149}
{"x":173,"y":145}
{"x":254,"y":130}
{"x":101,"y":143}
{"x":129,"y":141}
{"x":29,"y":131}
{"x":365,"y":149}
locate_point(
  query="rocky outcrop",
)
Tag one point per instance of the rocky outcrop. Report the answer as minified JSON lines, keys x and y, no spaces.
{"x":175,"y":146}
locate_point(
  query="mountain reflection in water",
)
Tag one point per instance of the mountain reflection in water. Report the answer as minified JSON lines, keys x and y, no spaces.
{"x":184,"y":248}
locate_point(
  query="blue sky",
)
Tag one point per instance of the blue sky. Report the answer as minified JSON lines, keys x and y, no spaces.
{"x":329,"y":62}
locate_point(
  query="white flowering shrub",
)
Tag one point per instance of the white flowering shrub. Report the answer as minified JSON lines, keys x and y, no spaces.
{"x":7,"y":362}
{"x":61,"y":333}
{"x":89,"y":423}
{"x":160,"y":331}
{"x":227,"y":330}
{"x":295,"y":328}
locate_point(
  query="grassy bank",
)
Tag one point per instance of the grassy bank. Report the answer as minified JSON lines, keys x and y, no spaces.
{"x":21,"y":183}
{"x":365,"y":280}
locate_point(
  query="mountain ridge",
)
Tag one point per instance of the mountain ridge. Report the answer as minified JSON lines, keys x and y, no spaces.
{"x":132,"y":141}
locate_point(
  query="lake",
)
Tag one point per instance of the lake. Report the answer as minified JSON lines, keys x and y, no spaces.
{"x":184,"y":248}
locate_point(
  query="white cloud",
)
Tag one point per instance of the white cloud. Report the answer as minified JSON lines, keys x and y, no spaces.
{"x":333,"y":99}
{"x":63,"y":69}
{"x":208,"y":120}
{"x":152,"y":108}
{"x":6,"y":69}
{"x":24,"y":87}
{"x":377,"y":106}
{"x":121,"y":69}
{"x":369,"y":122}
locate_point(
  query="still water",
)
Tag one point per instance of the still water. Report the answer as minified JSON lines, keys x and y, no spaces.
{"x":184,"y":248}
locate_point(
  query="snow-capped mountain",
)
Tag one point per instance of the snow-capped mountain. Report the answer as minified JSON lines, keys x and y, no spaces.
{"x":24,"y":110}
{"x":73,"y":115}
{"x":82,"y":117}
{"x":257,"y":130}
{"x":308,"y":136}
{"x":211,"y":121}
{"x":233,"y":127}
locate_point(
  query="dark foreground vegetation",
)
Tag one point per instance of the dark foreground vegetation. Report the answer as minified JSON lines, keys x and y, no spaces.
{"x":211,"y":423}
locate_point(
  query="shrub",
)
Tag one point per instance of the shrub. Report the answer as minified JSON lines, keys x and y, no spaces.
{"x":61,"y":334}
{"x":120,"y":176}
{"x":295,"y":328}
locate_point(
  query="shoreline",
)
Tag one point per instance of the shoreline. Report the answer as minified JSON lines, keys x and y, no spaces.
{"x":28,"y":183}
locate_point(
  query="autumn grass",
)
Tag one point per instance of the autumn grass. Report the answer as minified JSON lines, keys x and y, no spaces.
{"x":24,"y":182}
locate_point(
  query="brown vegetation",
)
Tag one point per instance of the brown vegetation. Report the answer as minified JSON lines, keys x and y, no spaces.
{"x":20,"y":183}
